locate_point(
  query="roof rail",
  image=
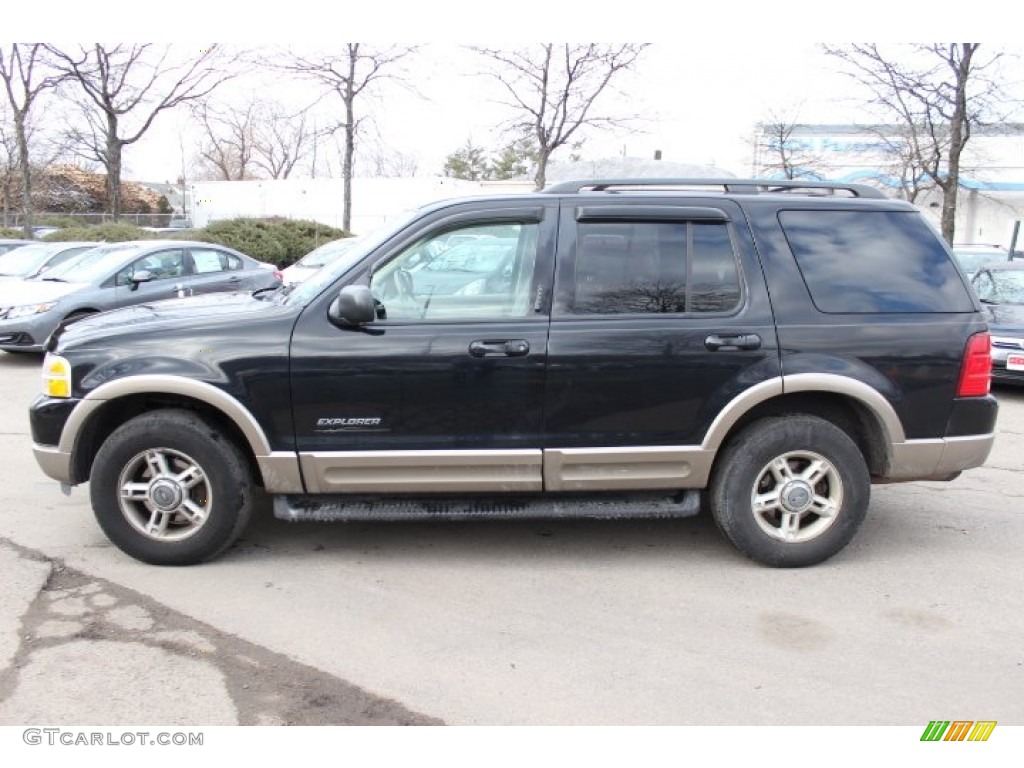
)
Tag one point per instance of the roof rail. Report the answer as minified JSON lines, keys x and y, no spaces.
{"x":739,"y":186}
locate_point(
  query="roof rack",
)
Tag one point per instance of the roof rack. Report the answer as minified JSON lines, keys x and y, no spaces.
{"x":738,"y":186}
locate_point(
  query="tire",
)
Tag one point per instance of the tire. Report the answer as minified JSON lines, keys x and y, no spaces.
{"x":168,"y":488}
{"x":813,"y":485}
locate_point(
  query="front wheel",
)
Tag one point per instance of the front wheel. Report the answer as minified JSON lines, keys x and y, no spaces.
{"x":790,"y":491}
{"x":168,"y":488}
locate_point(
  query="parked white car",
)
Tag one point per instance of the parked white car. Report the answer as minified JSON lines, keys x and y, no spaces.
{"x":318,"y":257}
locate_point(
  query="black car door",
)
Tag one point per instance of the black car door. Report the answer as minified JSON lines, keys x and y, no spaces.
{"x":444,"y":391}
{"x":660,"y":319}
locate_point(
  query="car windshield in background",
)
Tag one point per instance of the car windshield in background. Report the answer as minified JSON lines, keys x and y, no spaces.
{"x":308,"y":289}
{"x":327,"y":253}
{"x":21,"y":261}
{"x":972,"y":259}
{"x":1000,"y":286}
{"x":91,"y":265}
{"x":477,"y":256}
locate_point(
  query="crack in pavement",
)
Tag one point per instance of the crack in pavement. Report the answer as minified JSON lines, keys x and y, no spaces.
{"x":91,"y":652}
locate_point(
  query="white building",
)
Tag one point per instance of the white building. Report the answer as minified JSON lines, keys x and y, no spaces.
{"x":377,"y":200}
{"x":991,"y":197}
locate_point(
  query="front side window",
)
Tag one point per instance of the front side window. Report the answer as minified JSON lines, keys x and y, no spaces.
{"x":655,"y":267}
{"x":479,"y":272}
{"x":164,"y":265}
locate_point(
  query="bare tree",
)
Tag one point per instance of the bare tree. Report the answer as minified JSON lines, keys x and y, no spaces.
{"x":902,"y":163}
{"x":126,"y":87}
{"x":349,"y":75}
{"x":939,"y":93}
{"x":779,"y":151}
{"x":20,"y":66}
{"x":554,"y":89}
{"x":8,"y":165}
{"x":283,"y":139}
{"x":228,"y":142}
{"x":389,"y":163}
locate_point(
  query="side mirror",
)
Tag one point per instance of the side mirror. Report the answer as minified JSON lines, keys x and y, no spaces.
{"x":143,"y":276}
{"x":354,"y":306}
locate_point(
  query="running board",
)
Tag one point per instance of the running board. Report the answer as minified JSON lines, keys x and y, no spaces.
{"x":344,"y":507}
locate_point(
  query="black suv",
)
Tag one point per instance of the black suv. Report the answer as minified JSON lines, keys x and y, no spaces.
{"x":603,"y":348}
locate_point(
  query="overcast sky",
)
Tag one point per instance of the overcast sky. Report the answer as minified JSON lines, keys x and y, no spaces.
{"x":708,"y":77}
{"x":697,"y":103}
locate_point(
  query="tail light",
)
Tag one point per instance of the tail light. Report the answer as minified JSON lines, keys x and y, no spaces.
{"x":976,"y":368}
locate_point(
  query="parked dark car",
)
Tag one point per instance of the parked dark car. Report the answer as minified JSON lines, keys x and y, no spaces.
{"x":118,"y":275}
{"x":1001,"y":290}
{"x":639,"y":347}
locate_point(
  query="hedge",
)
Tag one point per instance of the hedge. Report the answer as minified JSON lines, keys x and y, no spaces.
{"x":278,"y":241}
{"x":111,"y":232}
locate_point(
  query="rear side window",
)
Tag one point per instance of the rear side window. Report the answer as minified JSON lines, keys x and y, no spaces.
{"x":655,"y":267}
{"x":863,"y":262}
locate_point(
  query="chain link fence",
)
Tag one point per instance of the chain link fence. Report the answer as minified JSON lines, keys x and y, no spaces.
{"x":13,"y":219}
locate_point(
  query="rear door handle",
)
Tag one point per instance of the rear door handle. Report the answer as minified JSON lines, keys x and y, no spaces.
{"x":716,"y":341}
{"x":503,"y":347}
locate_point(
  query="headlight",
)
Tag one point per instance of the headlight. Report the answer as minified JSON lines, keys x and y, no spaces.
{"x":30,"y":309}
{"x":56,"y":376}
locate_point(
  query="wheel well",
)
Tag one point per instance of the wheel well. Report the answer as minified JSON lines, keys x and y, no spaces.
{"x":116,"y":412}
{"x":81,"y":311}
{"x":850,"y":415}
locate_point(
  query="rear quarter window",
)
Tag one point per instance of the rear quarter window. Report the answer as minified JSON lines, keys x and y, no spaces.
{"x":864,"y":262}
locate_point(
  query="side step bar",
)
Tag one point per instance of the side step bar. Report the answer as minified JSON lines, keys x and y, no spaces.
{"x":343,"y":507}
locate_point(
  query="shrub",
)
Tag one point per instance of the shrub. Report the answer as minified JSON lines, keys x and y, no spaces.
{"x":58,"y":220}
{"x":113,"y":232}
{"x":12,"y":234}
{"x":278,"y":241}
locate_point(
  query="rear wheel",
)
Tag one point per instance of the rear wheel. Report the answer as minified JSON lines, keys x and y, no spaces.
{"x":790,"y":491}
{"x":169,"y":489}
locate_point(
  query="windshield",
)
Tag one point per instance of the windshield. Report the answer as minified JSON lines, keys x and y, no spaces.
{"x":92,"y":265}
{"x":326,"y":253}
{"x":308,"y":289}
{"x":1000,"y":286}
{"x":970,"y":261}
{"x":22,"y":261}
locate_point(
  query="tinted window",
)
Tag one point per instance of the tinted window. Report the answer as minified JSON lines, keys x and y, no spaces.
{"x":655,"y":267}
{"x":873,"y":261}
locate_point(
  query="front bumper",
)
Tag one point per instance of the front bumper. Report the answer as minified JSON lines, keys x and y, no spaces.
{"x":1007,"y":358}
{"x":27,"y":334}
{"x":47,"y":417}
{"x":54,"y":462}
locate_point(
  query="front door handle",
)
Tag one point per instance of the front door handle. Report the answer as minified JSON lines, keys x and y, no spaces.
{"x":716,"y":341}
{"x":503,"y":347}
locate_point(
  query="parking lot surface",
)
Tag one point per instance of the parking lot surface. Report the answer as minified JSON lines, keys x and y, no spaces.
{"x":549,"y":622}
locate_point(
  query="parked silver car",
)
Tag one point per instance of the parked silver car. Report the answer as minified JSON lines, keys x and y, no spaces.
{"x":10,"y":245}
{"x":118,"y":275}
{"x":34,"y":259}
